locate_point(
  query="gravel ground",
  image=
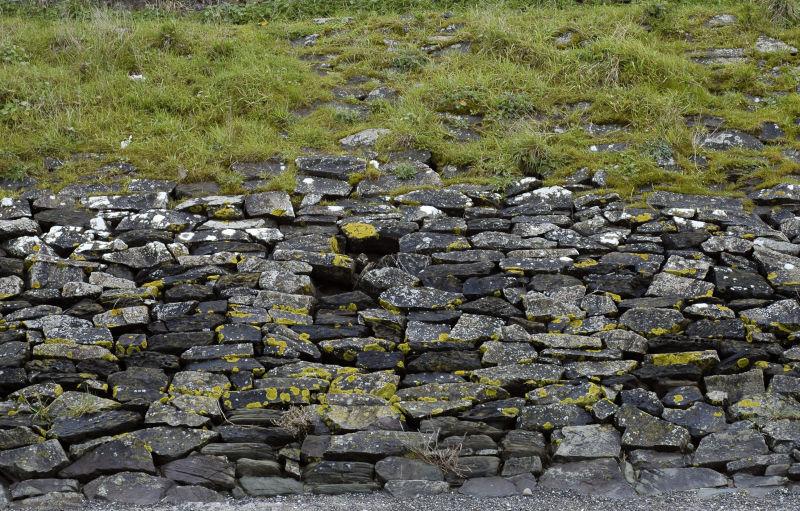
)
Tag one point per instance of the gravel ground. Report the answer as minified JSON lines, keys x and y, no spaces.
{"x":541,"y":500}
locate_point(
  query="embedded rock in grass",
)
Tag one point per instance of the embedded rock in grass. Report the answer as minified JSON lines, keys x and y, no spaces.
{"x":322,"y":186}
{"x":336,"y":167}
{"x":720,"y":56}
{"x":730,"y":139}
{"x":365,"y":138}
{"x":766,"y":44}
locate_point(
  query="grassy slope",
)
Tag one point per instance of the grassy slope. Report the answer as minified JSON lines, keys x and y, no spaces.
{"x":217,"y":92}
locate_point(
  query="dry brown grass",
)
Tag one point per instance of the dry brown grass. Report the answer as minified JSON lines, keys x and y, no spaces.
{"x":297,"y":420}
{"x":448,"y":459}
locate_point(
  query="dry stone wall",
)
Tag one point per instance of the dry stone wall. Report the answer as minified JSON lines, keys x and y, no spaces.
{"x":342,"y":339}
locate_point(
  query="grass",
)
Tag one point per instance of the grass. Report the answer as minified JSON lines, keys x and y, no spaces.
{"x":195,"y":92}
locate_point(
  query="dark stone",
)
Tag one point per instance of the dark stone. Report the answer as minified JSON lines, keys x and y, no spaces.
{"x":135,"y":488}
{"x":210,"y":471}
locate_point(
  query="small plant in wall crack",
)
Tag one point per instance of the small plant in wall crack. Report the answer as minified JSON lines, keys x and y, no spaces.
{"x":297,"y":420}
{"x":446,"y":458}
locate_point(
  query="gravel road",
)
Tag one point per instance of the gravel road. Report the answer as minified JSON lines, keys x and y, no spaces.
{"x":541,"y":500}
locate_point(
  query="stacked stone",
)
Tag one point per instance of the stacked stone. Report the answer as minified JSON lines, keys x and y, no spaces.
{"x":346,"y":339}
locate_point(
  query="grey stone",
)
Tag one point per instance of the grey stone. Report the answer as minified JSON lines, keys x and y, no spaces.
{"x":167,"y":443}
{"x":413,"y":489}
{"x":653,"y":322}
{"x":270,"y":486}
{"x":601,"y":477}
{"x":679,"y":479}
{"x":643,"y":431}
{"x":728,"y":139}
{"x":272,"y":204}
{"x":181,"y":494}
{"x":37,"y":460}
{"x":363,"y":138}
{"x":124,"y":454}
{"x":488,"y":487}
{"x":203,"y":470}
{"x":717,"y":449}
{"x":394,"y":468}
{"x":737,"y":386}
{"x":135,"y":488}
{"x":700,"y":418}
{"x":766,"y":44}
{"x":37,"y":487}
{"x":588,"y":442}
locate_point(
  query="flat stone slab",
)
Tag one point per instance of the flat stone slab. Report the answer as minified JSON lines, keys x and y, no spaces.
{"x":595,"y":477}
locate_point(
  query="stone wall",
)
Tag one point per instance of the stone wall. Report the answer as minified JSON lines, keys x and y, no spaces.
{"x":342,"y":339}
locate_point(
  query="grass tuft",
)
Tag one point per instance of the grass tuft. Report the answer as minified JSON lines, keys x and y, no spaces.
{"x":785,"y":12}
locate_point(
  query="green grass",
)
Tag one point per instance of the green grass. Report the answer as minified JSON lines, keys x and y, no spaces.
{"x":226,"y":85}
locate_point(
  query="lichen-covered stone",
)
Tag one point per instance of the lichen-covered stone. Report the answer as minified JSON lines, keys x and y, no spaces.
{"x":412,"y":298}
{"x":119,"y":455}
{"x":588,"y":442}
{"x":719,"y":448}
{"x":653,"y":322}
{"x":37,"y":460}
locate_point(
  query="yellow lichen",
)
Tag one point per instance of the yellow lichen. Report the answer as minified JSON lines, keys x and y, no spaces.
{"x":360,"y":231}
